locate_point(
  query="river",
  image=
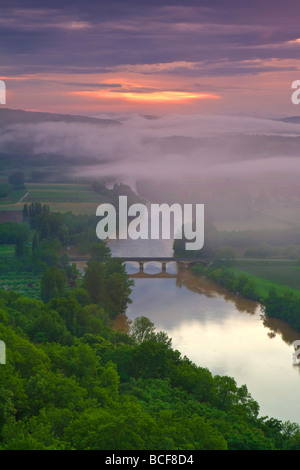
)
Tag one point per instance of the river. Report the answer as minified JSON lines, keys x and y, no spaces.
{"x":216,"y":329}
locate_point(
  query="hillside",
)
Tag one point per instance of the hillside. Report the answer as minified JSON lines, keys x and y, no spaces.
{"x":14,"y":116}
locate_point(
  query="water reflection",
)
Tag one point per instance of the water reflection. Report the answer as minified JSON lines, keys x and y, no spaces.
{"x":225,"y":333}
{"x":203,"y":286}
{"x":281,"y":328}
{"x":217,"y":329}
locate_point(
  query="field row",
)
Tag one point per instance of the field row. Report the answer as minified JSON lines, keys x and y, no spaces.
{"x":23,"y":283}
{"x":80,"y":199}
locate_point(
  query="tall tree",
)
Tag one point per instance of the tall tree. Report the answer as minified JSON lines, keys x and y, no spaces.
{"x":17,"y":179}
{"x":53,"y":283}
{"x":99,"y":251}
{"x":20,"y":246}
{"x":94,"y":281}
{"x":25,"y":213}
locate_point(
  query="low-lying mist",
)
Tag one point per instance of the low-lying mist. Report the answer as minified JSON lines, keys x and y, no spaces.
{"x":175,"y":157}
{"x":166,"y":148}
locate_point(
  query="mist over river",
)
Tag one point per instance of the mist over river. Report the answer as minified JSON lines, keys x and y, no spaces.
{"x":216,"y":329}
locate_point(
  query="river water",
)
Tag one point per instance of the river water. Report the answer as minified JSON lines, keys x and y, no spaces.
{"x":216,"y":329}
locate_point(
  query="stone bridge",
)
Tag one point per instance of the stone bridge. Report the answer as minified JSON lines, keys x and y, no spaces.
{"x":164,"y":260}
{"x":141,"y":260}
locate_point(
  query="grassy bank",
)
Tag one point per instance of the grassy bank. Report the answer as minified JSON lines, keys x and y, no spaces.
{"x":282,"y":276}
{"x":278,"y":300}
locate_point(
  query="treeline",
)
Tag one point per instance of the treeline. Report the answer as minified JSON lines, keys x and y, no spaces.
{"x":265,"y":250}
{"x":281,"y":243}
{"x":252,"y":238}
{"x":119,"y":189}
{"x":68,"y":228}
{"x":286,"y":306}
{"x":9,"y":232}
{"x":105,"y":282}
{"x":240,"y":285}
{"x":41,"y":236}
{"x":71,"y":382}
{"x":14,"y":182}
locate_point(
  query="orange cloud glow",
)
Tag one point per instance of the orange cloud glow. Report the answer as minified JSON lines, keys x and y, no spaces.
{"x":156,"y":96}
{"x":294,"y":41}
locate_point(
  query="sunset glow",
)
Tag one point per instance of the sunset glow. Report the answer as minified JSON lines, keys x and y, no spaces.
{"x":294,"y":41}
{"x":159,"y":96}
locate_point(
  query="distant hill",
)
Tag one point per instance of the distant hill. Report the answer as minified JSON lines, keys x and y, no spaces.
{"x":14,"y":116}
{"x":291,"y":119}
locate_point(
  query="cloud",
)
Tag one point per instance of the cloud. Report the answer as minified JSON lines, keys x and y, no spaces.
{"x":96,"y":35}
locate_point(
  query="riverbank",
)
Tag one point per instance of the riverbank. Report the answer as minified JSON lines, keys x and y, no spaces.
{"x":278,"y":300}
{"x":282,"y":275}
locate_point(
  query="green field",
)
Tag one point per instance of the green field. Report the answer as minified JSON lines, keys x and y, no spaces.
{"x":256,"y":223}
{"x":290,"y":212}
{"x":24,"y":283}
{"x":60,"y":193}
{"x":56,"y":186}
{"x":7,"y":251}
{"x":14,"y":197}
{"x":80,"y":199}
{"x":283,"y":276}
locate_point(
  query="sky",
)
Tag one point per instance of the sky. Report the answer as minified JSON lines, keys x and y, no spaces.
{"x":221,"y":57}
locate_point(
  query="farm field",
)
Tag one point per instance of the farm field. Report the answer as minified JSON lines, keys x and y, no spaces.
{"x":269,"y":218}
{"x":7,"y":251}
{"x":283,"y":276}
{"x":291,"y":212}
{"x":23,"y":283}
{"x":13,"y":198}
{"x":80,"y":199}
{"x":60,"y":193}
{"x":257,"y":223}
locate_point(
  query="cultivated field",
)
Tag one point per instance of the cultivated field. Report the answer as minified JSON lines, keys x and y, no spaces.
{"x":7,"y":251}
{"x":24,"y":283}
{"x":80,"y":199}
{"x":284,"y":276}
{"x":256,"y":223}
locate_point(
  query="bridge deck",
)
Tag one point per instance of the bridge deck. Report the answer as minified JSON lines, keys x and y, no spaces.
{"x":145,"y":259}
{"x":166,"y":259}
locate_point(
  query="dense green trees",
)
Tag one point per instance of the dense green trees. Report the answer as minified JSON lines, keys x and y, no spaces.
{"x":71,"y":382}
{"x":10,"y":230}
{"x":99,"y":252}
{"x":53,"y":283}
{"x":20,"y":245}
{"x":107,"y":287}
{"x":210,"y":248}
{"x":240,"y":285}
{"x":68,"y":384}
{"x":285,"y":307}
{"x":17,"y":179}
{"x":33,"y":211}
{"x":5,"y":190}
